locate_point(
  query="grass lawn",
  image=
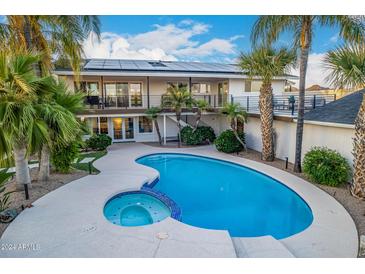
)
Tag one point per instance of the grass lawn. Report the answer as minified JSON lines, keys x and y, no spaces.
{"x":95,"y":154}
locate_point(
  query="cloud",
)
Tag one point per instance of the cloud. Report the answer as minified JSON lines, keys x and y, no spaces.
{"x":163,"y":42}
{"x":316,"y":73}
{"x":334,"y":38}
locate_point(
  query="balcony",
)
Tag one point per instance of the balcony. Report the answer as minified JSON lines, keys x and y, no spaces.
{"x":144,"y":101}
{"x":285,"y":104}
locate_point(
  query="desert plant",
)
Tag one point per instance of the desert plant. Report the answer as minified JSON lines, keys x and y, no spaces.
{"x":326,"y":166}
{"x":63,"y":155}
{"x":227,"y":142}
{"x":269,"y":28}
{"x":235,"y":113}
{"x":4,"y":195}
{"x":99,"y":142}
{"x":177,"y":98}
{"x":198,"y":136}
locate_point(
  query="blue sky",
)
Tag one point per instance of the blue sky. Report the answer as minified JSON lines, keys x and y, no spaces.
{"x":193,"y":38}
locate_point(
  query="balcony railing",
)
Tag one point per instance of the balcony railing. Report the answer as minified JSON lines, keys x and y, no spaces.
{"x":144,"y":101}
{"x":285,"y":104}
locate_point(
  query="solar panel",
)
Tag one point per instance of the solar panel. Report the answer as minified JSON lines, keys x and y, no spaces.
{"x":153,"y":65}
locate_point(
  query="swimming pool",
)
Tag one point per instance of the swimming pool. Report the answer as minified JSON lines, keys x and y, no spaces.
{"x":216,"y":194}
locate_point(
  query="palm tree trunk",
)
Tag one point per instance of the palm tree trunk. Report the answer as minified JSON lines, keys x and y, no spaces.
{"x":178,"y":118}
{"x":21,"y":167}
{"x":234,"y":129}
{"x":267,"y":121}
{"x":358,"y":179}
{"x":198,"y":117}
{"x":43,"y":174}
{"x":304,"y":53}
{"x":158,"y":131}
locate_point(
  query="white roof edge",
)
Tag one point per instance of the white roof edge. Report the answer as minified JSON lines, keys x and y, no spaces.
{"x":329,"y":124}
{"x":164,"y":74}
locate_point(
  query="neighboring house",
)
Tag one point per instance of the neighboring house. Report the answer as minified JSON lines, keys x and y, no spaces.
{"x":119,"y":91}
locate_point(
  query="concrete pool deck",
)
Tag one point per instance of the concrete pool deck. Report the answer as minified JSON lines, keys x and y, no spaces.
{"x":69,"y":221}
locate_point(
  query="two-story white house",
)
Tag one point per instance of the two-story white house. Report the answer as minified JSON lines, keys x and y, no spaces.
{"x":118,"y":92}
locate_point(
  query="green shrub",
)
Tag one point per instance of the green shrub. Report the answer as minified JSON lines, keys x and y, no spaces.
{"x":99,"y":142}
{"x":4,"y":195}
{"x":228,"y":143}
{"x":326,"y":166}
{"x":64,"y":155}
{"x":201,"y":135}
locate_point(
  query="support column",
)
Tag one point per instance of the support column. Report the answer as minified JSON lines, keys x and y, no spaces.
{"x":164,"y":129}
{"x":148,"y":92}
{"x":102,"y":92}
{"x":190,"y":84}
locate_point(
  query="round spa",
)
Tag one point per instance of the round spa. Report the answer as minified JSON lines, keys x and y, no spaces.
{"x":135,"y":209}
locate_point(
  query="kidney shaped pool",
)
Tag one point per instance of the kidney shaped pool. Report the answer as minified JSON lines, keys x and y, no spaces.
{"x":216,"y":194}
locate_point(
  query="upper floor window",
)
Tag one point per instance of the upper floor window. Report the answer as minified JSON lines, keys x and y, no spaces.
{"x":90,"y":88}
{"x":200,"y":88}
{"x":178,"y":84}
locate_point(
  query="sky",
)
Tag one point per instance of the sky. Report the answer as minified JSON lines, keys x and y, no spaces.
{"x":194,"y":38}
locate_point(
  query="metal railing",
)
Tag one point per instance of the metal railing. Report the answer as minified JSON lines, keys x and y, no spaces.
{"x":285,"y":104}
{"x":144,"y":101}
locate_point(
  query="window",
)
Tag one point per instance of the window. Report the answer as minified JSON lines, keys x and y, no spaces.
{"x":145,"y":125}
{"x":200,"y":88}
{"x":103,"y":125}
{"x":90,"y":88}
{"x":247,"y":86}
{"x":256,"y":85}
{"x":93,"y":124}
{"x":177,"y":84}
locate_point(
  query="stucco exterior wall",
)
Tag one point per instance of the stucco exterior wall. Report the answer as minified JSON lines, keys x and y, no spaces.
{"x":337,"y":138}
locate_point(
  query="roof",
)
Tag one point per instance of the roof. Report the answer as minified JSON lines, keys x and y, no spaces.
{"x":125,"y":65}
{"x":341,"y":111}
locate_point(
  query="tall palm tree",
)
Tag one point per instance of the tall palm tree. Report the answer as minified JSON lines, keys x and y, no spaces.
{"x":52,"y":35}
{"x":347,"y":66}
{"x":201,"y":106}
{"x":268,"y":63}
{"x":19,"y":109}
{"x":152,"y":113}
{"x":268,"y":28}
{"x":58,"y":112}
{"x":235,"y":113}
{"x":177,"y":99}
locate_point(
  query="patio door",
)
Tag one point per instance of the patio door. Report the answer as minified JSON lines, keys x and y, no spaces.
{"x":123,"y":129}
{"x":222,"y":93}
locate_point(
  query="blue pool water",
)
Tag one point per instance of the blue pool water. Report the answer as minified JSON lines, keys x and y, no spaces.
{"x":135,"y":209}
{"x":216,"y":194}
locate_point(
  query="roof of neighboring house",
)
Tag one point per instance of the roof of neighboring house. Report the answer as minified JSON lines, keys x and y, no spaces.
{"x":342,"y":111}
{"x":124,"y":65}
{"x":316,"y":88}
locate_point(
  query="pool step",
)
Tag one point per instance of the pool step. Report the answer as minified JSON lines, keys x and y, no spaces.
{"x":260,"y":247}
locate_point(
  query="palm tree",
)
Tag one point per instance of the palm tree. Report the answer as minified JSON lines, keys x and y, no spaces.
{"x":267,"y":29}
{"x":201,"y":106}
{"x":52,"y":35}
{"x":347,"y":66}
{"x":58,"y":111}
{"x":268,"y":63}
{"x":19,"y":109}
{"x":178,"y":98}
{"x":152,"y":113}
{"x":235,"y":113}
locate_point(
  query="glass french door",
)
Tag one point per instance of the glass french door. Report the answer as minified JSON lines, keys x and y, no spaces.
{"x":222,"y":93}
{"x":123,"y":128}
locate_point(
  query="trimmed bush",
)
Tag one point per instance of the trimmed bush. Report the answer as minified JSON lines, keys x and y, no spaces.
{"x":99,"y":142}
{"x":201,"y":135}
{"x":228,"y":143}
{"x":63,"y":156}
{"x":325,"y":166}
